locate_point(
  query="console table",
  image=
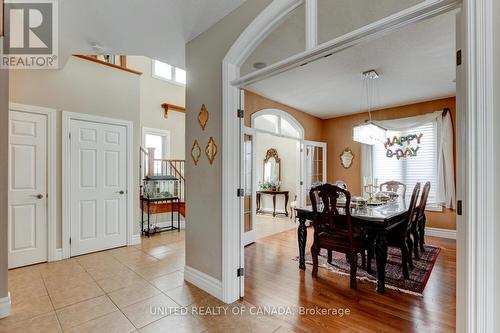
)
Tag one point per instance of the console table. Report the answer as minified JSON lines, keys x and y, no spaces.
{"x":273,"y":194}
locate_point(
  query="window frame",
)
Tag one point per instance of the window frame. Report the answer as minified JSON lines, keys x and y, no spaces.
{"x":280,"y":115}
{"x":172,"y":73}
{"x":158,"y":132}
{"x":431,"y":206}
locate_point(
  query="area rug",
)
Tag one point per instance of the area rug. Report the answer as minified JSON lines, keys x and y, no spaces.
{"x":419,"y":275}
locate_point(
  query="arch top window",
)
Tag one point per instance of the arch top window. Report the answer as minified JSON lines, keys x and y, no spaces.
{"x":277,"y":122}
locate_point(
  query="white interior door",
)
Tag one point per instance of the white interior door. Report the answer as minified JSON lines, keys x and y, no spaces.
{"x":27,"y":216}
{"x":249,"y":186}
{"x":98,"y":198}
{"x":313,"y":167}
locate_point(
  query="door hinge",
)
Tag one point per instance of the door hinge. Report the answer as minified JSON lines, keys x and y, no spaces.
{"x":459,"y":57}
{"x":241,"y":113}
{"x":240,"y":192}
{"x":69,"y":135}
{"x":459,"y":207}
{"x":70,"y":241}
{"x":240,"y":272}
{"x":301,"y":183}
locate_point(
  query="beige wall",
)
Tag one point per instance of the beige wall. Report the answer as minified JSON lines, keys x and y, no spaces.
{"x":85,"y":87}
{"x":313,"y":126}
{"x":155,"y":92}
{"x":338,"y":135}
{"x":4,"y":139}
{"x":204,"y":57}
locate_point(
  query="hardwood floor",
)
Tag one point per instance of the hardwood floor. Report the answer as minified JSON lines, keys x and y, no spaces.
{"x":274,"y":279}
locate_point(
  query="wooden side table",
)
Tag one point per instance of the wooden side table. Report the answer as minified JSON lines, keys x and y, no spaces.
{"x":274,"y":194}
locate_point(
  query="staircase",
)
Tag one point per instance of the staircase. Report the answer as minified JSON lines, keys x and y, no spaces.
{"x":158,"y":167}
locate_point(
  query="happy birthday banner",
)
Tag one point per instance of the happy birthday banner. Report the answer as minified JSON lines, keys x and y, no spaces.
{"x":403,"y":146}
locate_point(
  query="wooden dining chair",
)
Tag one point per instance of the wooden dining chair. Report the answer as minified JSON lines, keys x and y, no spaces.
{"x":400,"y":237}
{"x":394,"y":186}
{"x":341,"y":184}
{"x":334,"y":231}
{"x":420,"y":220}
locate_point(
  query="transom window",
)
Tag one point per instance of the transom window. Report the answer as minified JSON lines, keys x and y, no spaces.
{"x":164,"y":71}
{"x":277,"y":122}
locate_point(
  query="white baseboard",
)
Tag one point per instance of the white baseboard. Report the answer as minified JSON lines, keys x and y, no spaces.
{"x":5,"y":306}
{"x":203,"y":281}
{"x":136,"y":240}
{"x":58,"y":255}
{"x":443,"y":233}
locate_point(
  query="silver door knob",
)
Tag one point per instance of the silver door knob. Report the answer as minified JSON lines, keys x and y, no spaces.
{"x":39,"y":196}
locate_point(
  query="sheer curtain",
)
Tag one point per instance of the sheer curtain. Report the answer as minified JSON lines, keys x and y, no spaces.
{"x":446,"y":170}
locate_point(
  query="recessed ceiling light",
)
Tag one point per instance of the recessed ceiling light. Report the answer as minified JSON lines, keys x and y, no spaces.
{"x":259,"y":65}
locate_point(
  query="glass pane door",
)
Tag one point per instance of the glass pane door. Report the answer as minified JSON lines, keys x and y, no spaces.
{"x":314,"y":157}
{"x":249,"y":186}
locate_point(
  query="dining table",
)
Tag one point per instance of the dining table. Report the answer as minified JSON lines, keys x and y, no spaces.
{"x":376,"y":220}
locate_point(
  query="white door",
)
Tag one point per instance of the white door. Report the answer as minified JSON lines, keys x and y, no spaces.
{"x":249,"y":186}
{"x":98,"y":198}
{"x":27,"y":216}
{"x":313,"y":167}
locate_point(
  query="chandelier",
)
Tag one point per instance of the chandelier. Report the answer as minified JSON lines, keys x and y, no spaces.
{"x":368,"y":132}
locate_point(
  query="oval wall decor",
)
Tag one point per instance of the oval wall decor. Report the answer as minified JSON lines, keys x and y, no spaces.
{"x":211,"y":150}
{"x":203,"y":117}
{"x":346,"y":158}
{"x":196,"y":152}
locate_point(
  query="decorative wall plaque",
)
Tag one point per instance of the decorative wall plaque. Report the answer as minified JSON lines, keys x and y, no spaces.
{"x":346,"y":158}
{"x":196,"y":152}
{"x":203,"y":117}
{"x":211,"y":150}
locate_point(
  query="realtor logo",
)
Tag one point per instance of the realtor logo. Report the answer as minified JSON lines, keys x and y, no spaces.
{"x":30,"y":40}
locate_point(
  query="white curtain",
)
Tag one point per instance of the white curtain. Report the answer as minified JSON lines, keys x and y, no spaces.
{"x":366,"y":163}
{"x":446,"y":169}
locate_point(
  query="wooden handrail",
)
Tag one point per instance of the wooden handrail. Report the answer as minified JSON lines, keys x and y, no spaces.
{"x":107,"y":64}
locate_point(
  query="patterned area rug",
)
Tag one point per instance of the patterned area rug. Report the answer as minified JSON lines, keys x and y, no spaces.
{"x":394,"y":273}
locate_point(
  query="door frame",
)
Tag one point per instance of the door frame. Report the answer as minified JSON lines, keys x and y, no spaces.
{"x":475,"y":274}
{"x":52,"y":251}
{"x":67,"y":117}
{"x":303,"y":175}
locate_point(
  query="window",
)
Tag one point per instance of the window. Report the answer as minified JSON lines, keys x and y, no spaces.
{"x":421,"y":167}
{"x":277,"y":122}
{"x":167,"y":72}
{"x":156,"y":142}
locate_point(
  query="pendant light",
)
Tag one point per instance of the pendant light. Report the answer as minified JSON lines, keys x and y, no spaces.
{"x":368,"y":132}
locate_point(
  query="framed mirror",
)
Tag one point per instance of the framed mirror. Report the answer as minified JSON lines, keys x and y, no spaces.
{"x":346,"y":158}
{"x":272,"y":166}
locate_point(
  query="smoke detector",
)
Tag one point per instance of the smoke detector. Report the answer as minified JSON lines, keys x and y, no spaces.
{"x":98,"y":48}
{"x":259,"y":65}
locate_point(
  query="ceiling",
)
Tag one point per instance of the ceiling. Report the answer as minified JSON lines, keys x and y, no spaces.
{"x":415,"y":63}
{"x":158,"y":29}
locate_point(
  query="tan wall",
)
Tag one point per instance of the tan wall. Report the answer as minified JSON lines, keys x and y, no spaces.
{"x":85,"y":87}
{"x":204,"y":56}
{"x":313,"y":126}
{"x":337,"y":132}
{"x":4,"y":139}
